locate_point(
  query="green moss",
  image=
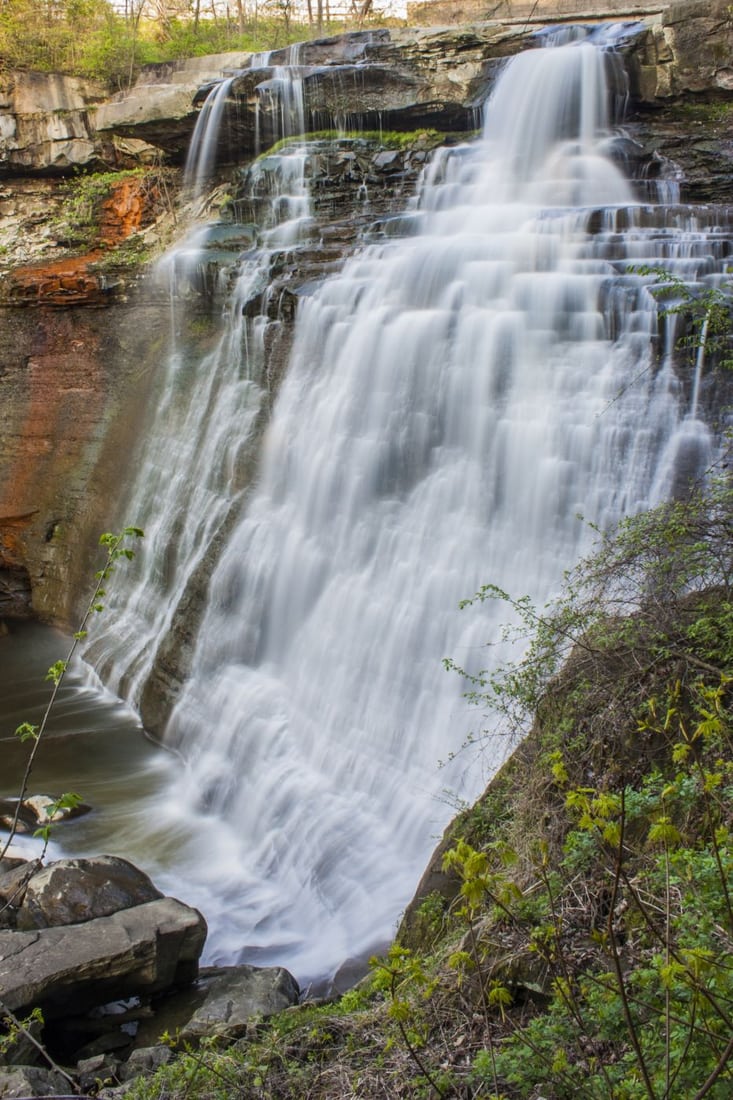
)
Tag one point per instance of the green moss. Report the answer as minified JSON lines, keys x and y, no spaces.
{"x":386,"y":139}
{"x":708,"y":113}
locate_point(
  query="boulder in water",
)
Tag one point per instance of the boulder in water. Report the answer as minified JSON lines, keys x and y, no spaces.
{"x":37,"y":810}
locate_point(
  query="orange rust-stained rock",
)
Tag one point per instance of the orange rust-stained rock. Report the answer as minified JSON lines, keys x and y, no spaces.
{"x":73,"y":281}
{"x":130,"y":207}
{"x":60,"y":283}
{"x":74,"y":387}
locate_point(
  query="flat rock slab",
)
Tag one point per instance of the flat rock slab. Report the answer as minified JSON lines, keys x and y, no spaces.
{"x":70,"y":969}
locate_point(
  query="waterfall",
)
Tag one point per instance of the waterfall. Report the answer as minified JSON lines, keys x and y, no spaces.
{"x":454,"y":398}
{"x":202,"y":149}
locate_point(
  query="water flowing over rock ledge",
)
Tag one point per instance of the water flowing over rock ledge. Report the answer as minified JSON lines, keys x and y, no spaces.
{"x":680,"y":82}
{"x":405,"y":78}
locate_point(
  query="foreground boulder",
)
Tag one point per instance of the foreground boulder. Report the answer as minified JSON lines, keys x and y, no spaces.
{"x":70,"y":969}
{"x":24,"y":1081}
{"x":72,"y":891}
{"x":113,"y":964}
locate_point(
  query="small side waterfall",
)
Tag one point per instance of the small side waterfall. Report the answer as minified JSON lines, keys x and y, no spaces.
{"x":202,"y":149}
{"x":454,"y":399}
{"x":198,"y":451}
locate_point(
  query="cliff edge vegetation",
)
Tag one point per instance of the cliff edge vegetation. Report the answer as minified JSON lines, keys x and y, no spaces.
{"x":574,"y":935}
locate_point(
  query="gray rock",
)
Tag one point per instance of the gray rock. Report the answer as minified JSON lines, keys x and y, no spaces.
{"x":153,"y":114}
{"x":71,"y":891}
{"x":68,"y":970}
{"x":145,"y":1060}
{"x":44,"y":122}
{"x":31,"y":1081}
{"x":13,"y":883}
{"x":99,"y":1069}
{"x":223,"y":1003}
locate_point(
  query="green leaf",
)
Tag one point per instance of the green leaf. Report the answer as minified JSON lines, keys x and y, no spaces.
{"x":56,"y":672}
{"x":26,"y":731}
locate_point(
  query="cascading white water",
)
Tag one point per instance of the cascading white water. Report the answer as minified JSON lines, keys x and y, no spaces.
{"x":202,"y":149}
{"x":453,"y":400}
{"x":192,"y":465}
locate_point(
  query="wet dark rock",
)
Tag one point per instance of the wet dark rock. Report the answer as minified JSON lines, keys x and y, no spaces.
{"x":15,"y":592}
{"x":222,"y":1003}
{"x":693,"y":143}
{"x":37,"y":810}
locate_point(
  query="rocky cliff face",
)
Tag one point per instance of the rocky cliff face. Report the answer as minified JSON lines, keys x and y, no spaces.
{"x":83,"y":328}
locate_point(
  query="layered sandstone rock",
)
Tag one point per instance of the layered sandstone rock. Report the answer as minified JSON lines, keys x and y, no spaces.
{"x":44,"y":123}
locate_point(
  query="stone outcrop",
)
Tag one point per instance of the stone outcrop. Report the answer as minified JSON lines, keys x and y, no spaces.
{"x":44,"y":123}
{"x":400,"y":78}
{"x":690,"y":51}
{"x":452,"y":12}
{"x":69,"y":969}
{"x":681,"y":78}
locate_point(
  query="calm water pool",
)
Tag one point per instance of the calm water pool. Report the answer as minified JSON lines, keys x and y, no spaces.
{"x":94,"y":745}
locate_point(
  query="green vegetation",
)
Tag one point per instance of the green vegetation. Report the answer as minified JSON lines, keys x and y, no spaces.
{"x":386,"y":139}
{"x":84,"y":196}
{"x":89,"y":198}
{"x":706,"y":313}
{"x":98,"y":40}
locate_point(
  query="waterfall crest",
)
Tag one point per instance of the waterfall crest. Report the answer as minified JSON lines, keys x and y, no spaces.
{"x":454,"y":399}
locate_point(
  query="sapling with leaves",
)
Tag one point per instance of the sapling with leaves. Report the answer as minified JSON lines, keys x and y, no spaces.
{"x":705,"y":308}
{"x":117,"y":549}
